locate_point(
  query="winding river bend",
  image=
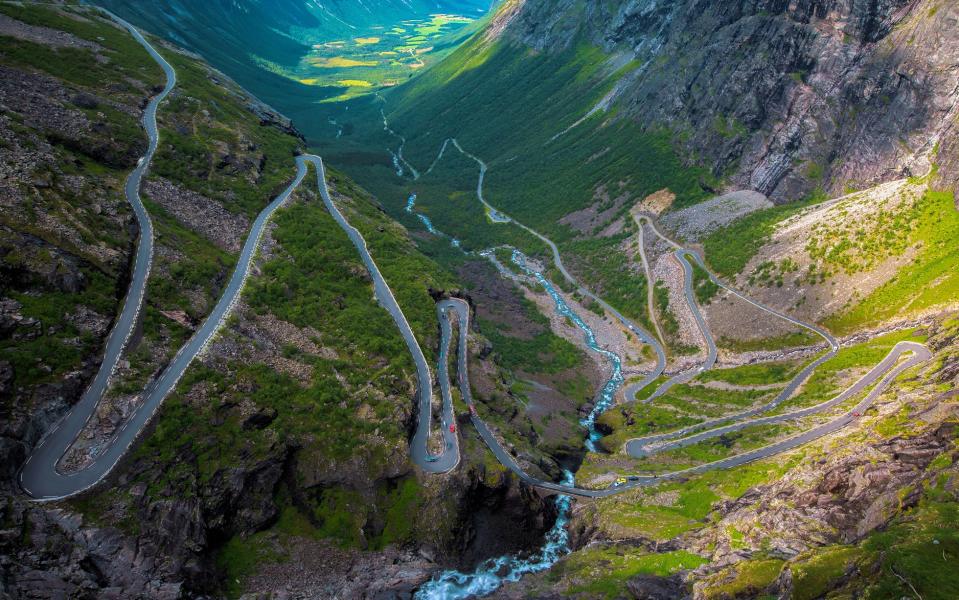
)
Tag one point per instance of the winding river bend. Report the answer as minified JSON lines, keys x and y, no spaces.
{"x":607,"y":394}
{"x":411,"y":204}
{"x":492,"y":573}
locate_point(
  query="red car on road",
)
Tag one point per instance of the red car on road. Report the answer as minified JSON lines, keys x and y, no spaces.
{"x":452,"y":428}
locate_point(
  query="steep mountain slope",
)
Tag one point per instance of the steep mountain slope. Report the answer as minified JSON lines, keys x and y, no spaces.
{"x":582,"y":111}
{"x":70,"y":131}
{"x":586,"y":112}
{"x":280,"y":460}
{"x":780,"y":97}
{"x":866,"y":514}
{"x":289,"y":436}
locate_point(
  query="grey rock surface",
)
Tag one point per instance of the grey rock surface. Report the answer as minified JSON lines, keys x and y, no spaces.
{"x":786,"y":97}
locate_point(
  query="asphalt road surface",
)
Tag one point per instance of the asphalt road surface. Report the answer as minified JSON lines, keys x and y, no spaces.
{"x":420,"y":454}
{"x":41,"y":478}
{"x":883,"y":373}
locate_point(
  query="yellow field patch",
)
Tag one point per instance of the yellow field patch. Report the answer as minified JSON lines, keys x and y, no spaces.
{"x":340,"y":62}
{"x":355,"y":83}
{"x":436,"y":23}
{"x":363,"y":41}
{"x":388,"y":53}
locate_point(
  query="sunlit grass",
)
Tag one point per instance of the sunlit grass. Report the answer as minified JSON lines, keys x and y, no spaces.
{"x":377,"y":56}
{"x":355,"y":83}
{"x":338,"y":62}
{"x":930,"y":280}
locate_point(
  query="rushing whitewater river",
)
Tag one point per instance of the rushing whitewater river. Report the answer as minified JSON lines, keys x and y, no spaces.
{"x":616,"y":379}
{"x":410,"y":204}
{"x":494,"y":572}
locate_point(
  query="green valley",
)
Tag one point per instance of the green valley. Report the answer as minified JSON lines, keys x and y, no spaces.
{"x":453,"y":299}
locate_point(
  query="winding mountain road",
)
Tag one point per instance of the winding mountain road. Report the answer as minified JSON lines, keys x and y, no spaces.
{"x":639,"y":447}
{"x":41,"y":479}
{"x":650,"y":293}
{"x":640,"y":332}
{"x":40,"y":476}
{"x":450,"y":456}
{"x":883,"y":373}
{"x":712,"y":353}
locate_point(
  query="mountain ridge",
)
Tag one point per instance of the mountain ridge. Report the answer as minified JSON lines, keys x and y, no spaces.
{"x":763,"y":101}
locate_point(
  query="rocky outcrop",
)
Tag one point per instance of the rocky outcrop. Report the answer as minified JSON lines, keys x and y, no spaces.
{"x":203,"y":215}
{"x":785,"y":96}
{"x":854,"y":486}
{"x":43,"y":35}
{"x":830,"y":494}
{"x":848,"y":497}
{"x":56,"y":554}
{"x":652,"y":587}
{"x":45,"y":104}
{"x":67,"y":234}
{"x":270,"y":117}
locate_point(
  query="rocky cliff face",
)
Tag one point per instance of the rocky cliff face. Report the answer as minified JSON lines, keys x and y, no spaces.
{"x":781,"y":97}
{"x":810,"y":528}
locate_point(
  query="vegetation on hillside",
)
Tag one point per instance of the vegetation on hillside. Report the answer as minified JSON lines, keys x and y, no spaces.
{"x":535,"y":175}
{"x":353,"y":408}
{"x":212,"y":143}
{"x":913,"y":557}
{"x":69,"y":134}
{"x":544,"y":352}
{"x":931,"y":279}
{"x":730,"y":248}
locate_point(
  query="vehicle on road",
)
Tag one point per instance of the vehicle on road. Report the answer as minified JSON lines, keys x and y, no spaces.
{"x":452,"y":428}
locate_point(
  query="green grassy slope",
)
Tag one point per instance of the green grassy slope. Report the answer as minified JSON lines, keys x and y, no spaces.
{"x":351,"y":416}
{"x":930,"y":280}
{"x":506,"y":105}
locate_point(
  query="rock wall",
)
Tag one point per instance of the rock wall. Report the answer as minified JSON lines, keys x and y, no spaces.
{"x":780,"y":97}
